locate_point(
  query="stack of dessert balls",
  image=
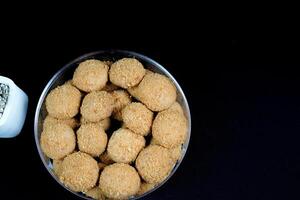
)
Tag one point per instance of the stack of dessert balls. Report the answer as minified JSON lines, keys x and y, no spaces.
{"x":121,"y":161}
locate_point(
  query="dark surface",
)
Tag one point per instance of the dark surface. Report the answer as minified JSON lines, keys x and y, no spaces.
{"x":244,"y":100}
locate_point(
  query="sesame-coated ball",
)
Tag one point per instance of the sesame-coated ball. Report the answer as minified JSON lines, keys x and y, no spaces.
{"x":169,"y":128}
{"x":63,"y":102}
{"x":138,"y":118}
{"x":91,"y":139}
{"x":156,"y":91}
{"x":79,"y":172}
{"x":90,"y":75}
{"x":154,"y":163}
{"x":119,"y":181}
{"x":97,"y":106}
{"x":127,"y":72}
{"x":58,"y":141}
{"x":124,"y":145}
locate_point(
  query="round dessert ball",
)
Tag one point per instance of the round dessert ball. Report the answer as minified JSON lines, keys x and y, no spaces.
{"x":50,"y":121}
{"x":91,"y":139}
{"x":137,"y":118}
{"x":122,"y":99}
{"x":97,"y":106}
{"x":154,"y":163}
{"x":126,"y":72}
{"x":90,"y":75}
{"x":119,"y":181}
{"x":169,"y":128}
{"x":156,"y":91}
{"x":63,"y":102}
{"x":58,"y":141}
{"x":79,"y":172}
{"x":104,"y":123}
{"x":124,"y":145}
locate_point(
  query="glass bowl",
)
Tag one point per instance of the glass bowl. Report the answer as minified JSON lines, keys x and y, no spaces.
{"x":66,"y":73}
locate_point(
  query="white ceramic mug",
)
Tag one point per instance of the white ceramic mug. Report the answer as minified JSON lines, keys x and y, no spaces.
{"x":13,"y":117}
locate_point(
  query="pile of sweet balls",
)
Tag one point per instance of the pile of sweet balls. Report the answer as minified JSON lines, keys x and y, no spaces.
{"x":134,"y":157}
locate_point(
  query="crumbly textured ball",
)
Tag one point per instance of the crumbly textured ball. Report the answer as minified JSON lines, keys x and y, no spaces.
{"x":176,"y":107}
{"x":126,"y":72}
{"x":57,"y":166}
{"x":104,"y":157}
{"x":156,"y":91}
{"x":137,"y":118}
{"x":91,"y":139}
{"x":169,"y":128}
{"x":104,"y":123}
{"x":63,"y":102}
{"x":50,"y":121}
{"x":97,"y":106}
{"x":90,"y":75}
{"x":124,"y":145}
{"x":154,"y":163}
{"x":119,"y":181}
{"x":79,"y":172}
{"x":95,"y":193}
{"x":122,"y":99}
{"x":145,"y":187}
{"x":58,"y":141}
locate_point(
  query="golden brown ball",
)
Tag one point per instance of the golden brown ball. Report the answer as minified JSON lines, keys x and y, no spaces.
{"x":156,"y":91}
{"x":90,"y":75}
{"x":119,"y":181}
{"x":79,"y":172}
{"x":97,"y":106}
{"x":63,"y":102}
{"x":154,"y":163}
{"x":124,"y":145}
{"x":169,"y":128}
{"x":127,"y":72}
{"x":138,"y":118}
{"x":91,"y":139}
{"x":58,"y":141}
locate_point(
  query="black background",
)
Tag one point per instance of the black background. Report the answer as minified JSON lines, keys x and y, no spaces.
{"x":243,"y":94}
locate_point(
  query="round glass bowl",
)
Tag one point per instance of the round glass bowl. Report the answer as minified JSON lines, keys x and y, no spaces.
{"x":66,"y":73}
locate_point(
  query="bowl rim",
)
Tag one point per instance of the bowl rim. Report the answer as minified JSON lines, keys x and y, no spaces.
{"x":94,"y":53}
